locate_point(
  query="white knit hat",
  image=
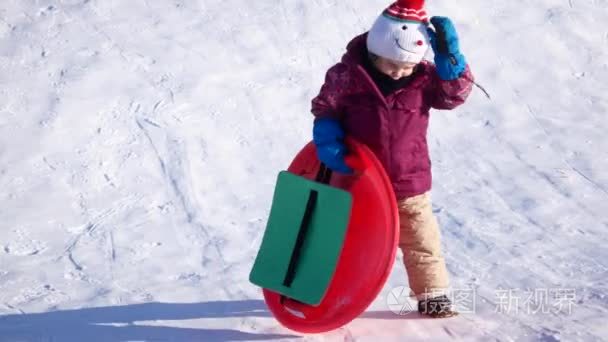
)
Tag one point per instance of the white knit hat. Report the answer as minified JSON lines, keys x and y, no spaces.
{"x":400,"y":32}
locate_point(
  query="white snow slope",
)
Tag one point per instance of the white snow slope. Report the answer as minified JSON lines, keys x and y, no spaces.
{"x":140,"y":141}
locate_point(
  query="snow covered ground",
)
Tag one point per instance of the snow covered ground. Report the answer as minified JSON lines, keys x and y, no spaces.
{"x":140,"y":141}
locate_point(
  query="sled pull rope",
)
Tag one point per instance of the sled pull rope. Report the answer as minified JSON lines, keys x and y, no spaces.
{"x":324,"y":174}
{"x":479,"y":86}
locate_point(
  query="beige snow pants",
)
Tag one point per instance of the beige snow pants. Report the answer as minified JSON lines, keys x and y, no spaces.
{"x":420,"y":241}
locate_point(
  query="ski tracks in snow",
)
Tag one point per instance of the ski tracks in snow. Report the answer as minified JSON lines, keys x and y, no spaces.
{"x":98,"y":228}
{"x":173,"y":163}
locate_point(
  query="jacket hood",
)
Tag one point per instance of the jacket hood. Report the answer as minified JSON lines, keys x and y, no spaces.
{"x":356,"y":50}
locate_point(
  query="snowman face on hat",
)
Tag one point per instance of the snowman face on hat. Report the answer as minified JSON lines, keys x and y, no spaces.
{"x":398,"y":39}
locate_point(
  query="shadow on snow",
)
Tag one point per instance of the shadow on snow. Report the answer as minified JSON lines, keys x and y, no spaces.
{"x":119,"y":323}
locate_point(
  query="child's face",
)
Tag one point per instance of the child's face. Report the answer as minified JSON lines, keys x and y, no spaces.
{"x":394,"y":69}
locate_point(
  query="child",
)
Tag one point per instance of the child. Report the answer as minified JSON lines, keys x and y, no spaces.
{"x":380,"y":94}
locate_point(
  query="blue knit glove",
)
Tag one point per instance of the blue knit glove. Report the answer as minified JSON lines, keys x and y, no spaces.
{"x":328,"y":136}
{"x":449,"y":61}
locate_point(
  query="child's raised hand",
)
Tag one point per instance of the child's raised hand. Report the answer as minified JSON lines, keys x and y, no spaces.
{"x":450,"y":62}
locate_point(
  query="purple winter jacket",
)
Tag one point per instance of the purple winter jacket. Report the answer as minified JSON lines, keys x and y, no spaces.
{"x":394,"y":127}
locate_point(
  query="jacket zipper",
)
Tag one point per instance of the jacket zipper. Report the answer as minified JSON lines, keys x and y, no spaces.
{"x":386,"y":118}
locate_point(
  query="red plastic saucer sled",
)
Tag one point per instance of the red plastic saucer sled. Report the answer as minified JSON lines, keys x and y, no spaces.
{"x":369,"y":248}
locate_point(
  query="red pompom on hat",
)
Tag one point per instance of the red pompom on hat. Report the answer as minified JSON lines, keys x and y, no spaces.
{"x":408,"y":10}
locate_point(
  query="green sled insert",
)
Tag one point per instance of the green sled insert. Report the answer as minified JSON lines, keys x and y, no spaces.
{"x":303,"y":238}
